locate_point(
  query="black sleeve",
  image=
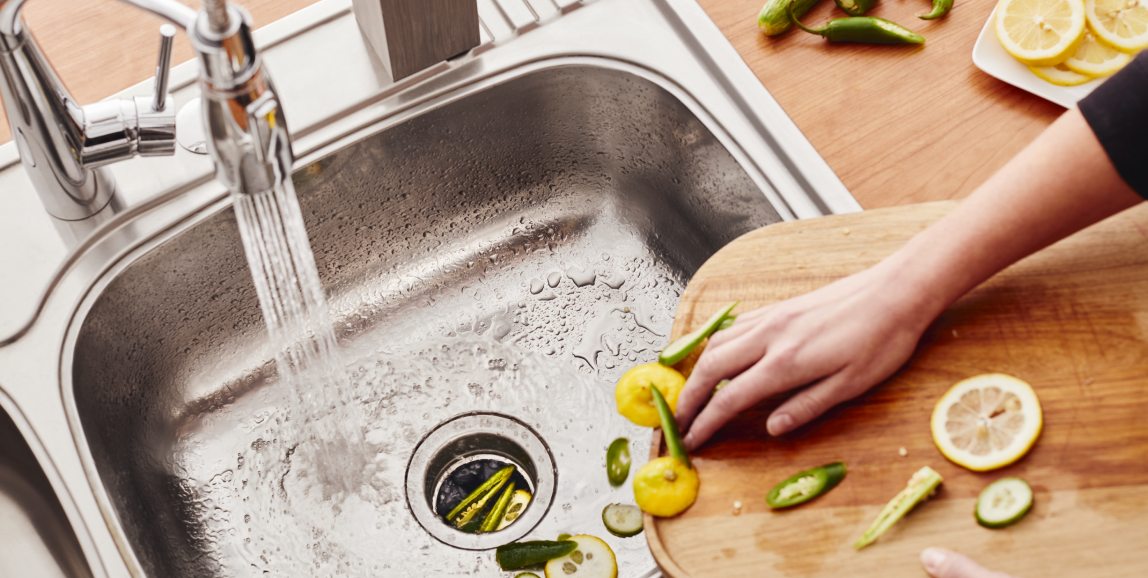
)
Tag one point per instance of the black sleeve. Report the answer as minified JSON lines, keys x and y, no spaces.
{"x":1117,"y":111}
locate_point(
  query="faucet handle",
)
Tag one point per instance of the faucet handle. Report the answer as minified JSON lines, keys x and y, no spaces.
{"x":163,"y":68}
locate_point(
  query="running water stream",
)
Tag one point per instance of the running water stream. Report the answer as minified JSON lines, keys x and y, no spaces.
{"x":321,"y":410}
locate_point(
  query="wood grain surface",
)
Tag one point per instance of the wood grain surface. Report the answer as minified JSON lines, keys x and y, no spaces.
{"x":1071,"y":320}
{"x":898,"y":125}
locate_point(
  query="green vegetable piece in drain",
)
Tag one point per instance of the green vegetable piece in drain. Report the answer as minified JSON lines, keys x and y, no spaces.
{"x":494,"y":518}
{"x":618,"y":461}
{"x":1003,"y":502}
{"x":855,"y":7}
{"x":864,"y":30}
{"x":470,"y":506}
{"x":940,"y":8}
{"x":526,"y":554}
{"x":515,"y":508}
{"x":682,"y":346}
{"x":921,"y":486}
{"x":805,"y":486}
{"x":774,"y":19}
{"x":622,"y":520}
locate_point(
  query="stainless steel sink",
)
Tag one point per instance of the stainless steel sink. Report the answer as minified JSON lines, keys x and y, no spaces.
{"x":35,"y":536}
{"x":503,"y":235}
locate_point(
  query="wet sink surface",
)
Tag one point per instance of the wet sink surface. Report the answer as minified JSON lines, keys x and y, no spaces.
{"x":514,"y":251}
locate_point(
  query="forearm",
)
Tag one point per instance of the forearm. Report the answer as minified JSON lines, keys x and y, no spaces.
{"x":1060,"y":184}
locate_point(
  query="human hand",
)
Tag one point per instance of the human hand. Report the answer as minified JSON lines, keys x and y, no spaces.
{"x":941,"y":563}
{"x":842,"y":338}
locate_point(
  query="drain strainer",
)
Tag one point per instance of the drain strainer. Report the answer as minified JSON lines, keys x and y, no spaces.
{"x":465,"y":440}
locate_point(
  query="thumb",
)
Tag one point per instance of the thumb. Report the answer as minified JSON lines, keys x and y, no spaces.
{"x":941,"y":563}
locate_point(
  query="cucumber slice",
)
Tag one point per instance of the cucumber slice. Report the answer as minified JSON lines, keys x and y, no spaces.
{"x":1003,"y":502}
{"x":592,"y":558}
{"x":622,"y":520}
{"x":526,"y":554}
{"x":514,"y":509}
{"x":682,"y":346}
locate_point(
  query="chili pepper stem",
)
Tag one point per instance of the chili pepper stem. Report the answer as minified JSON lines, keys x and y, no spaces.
{"x":819,"y":31}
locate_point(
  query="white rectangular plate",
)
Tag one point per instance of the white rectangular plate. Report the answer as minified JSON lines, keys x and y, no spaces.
{"x":990,"y":56}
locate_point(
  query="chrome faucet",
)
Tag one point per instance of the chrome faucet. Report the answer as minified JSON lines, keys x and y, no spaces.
{"x":65,"y":147}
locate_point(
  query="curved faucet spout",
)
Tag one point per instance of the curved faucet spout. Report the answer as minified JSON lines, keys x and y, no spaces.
{"x":171,"y":10}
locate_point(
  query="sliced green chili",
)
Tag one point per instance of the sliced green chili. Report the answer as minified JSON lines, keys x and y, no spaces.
{"x":805,"y":486}
{"x":682,"y":346}
{"x":940,"y":8}
{"x":499,"y":510}
{"x":618,"y":461}
{"x":921,"y":486}
{"x":855,"y":7}
{"x":670,"y":429}
{"x":864,"y":30}
{"x":471,"y":505}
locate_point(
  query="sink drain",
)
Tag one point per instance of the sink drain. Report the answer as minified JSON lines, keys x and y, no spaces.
{"x":471,"y":442}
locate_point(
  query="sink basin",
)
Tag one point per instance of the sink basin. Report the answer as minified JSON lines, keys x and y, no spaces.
{"x":35,"y":538}
{"x":534,"y":214}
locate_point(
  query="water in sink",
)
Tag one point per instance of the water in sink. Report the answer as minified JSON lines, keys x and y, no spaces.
{"x":320,"y":410}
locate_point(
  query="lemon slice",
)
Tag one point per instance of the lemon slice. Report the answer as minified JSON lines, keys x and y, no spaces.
{"x":1095,"y":58}
{"x":987,"y":422}
{"x":1040,"y":32}
{"x":1060,"y":75}
{"x":1121,"y":23}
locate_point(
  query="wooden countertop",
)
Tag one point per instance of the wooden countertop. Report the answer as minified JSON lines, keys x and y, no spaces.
{"x":899,"y":125}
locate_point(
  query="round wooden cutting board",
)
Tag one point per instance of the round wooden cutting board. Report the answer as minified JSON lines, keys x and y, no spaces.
{"x":1072,"y":320}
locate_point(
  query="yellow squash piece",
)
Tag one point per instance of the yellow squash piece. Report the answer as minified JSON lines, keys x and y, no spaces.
{"x":633,"y":396}
{"x":592,"y":559}
{"x":665,"y":487}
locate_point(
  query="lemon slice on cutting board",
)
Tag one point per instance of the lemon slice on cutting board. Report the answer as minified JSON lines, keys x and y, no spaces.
{"x":1041,"y":32}
{"x":1123,"y":24}
{"x":1095,"y":58}
{"x":987,"y":422}
{"x":1060,"y":75}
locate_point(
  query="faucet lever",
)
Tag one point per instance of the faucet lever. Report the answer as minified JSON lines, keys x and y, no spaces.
{"x":163,"y":68}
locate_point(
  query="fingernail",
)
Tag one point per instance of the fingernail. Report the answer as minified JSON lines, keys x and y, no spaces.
{"x":688,"y":441}
{"x":933,"y":559}
{"x":779,"y":424}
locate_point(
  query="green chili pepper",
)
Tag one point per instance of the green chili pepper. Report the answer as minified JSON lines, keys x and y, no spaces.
{"x":920,"y":487}
{"x":940,"y":8}
{"x":618,"y":461}
{"x":864,"y":30}
{"x":495,"y":516}
{"x":470,"y":506}
{"x":805,"y":486}
{"x":670,"y":429}
{"x":855,"y":7}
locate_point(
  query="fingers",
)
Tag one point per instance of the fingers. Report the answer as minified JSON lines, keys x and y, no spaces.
{"x":776,"y":372}
{"x":941,"y":563}
{"x":807,"y":405}
{"x":715,"y":364}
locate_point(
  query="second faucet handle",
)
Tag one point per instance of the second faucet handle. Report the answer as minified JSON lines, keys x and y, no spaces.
{"x":163,"y":68}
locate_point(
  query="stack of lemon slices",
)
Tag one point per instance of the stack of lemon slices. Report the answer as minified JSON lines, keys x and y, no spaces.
{"x":1070,"y":42}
